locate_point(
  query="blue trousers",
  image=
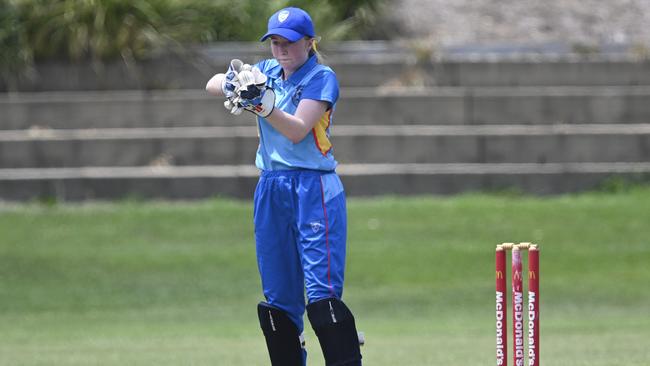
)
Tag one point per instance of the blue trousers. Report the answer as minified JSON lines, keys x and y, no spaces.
{"x":300,"y":233}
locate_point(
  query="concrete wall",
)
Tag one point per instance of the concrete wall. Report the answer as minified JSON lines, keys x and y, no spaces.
{"x":358,"y":64}
{"x":357,"y":106}
{"x":541,"y":126}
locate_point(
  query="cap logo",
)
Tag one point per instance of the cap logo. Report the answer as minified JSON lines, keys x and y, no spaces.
{"x":283,"y":15}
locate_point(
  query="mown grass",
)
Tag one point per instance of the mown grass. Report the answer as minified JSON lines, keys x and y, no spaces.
{"x":155,"y":283}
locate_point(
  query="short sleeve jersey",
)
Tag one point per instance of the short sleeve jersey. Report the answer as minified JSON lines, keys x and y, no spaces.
{"x":311,"y":81}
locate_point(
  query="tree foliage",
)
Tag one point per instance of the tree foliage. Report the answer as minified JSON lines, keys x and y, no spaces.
{"x":132,"y":29}
{"x":14,"y":54}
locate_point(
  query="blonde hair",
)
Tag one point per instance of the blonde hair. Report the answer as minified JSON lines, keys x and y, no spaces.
{"x":314,"y":49}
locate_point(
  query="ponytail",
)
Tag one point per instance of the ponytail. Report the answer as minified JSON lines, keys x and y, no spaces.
{"x":314,"y":50}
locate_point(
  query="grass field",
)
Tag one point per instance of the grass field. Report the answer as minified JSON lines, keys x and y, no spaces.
{"x":151,"y":283}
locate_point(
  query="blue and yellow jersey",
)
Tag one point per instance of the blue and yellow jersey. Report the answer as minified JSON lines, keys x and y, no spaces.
{"x":311,"y":81}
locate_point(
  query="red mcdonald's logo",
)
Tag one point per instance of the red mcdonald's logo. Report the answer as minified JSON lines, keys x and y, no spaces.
{"x":532,"y":275}
{"x":499,"y":275}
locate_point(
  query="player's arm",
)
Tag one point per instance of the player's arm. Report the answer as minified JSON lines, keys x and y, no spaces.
{"x":295,"y":127}
{"x":215,"y":85}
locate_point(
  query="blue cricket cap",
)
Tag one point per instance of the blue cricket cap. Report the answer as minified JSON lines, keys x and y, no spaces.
{"x":290,"y":23}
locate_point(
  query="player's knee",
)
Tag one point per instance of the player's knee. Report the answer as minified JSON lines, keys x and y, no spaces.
{"x":334,"y":326}
{"x":283,"y":339}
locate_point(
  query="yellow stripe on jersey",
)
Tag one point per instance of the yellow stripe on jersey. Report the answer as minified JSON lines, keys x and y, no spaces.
{"x":320,"y":133}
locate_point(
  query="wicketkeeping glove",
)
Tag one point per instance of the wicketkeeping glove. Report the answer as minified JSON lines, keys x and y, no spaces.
{"x":245,"y":89}
{"x":254,"y":95}
{"x":230,"y":82}
{"x":230,"y":85}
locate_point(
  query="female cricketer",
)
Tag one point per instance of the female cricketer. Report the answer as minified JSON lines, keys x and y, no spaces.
{"x":299,"y":205}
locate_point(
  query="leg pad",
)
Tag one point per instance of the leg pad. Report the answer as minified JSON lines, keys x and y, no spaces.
{"x":282,"y":336}
{"x":334,"y":325}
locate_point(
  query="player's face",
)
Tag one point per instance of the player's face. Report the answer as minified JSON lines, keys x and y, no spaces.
{"x":290,"y":55}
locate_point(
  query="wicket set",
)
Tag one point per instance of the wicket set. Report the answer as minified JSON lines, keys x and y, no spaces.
{"x":517,"y":304}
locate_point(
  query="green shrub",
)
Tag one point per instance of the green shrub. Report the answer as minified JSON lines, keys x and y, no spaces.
{"x":102,"y":30}
{"x":97,"y":29}
{"x":14,"y":54}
